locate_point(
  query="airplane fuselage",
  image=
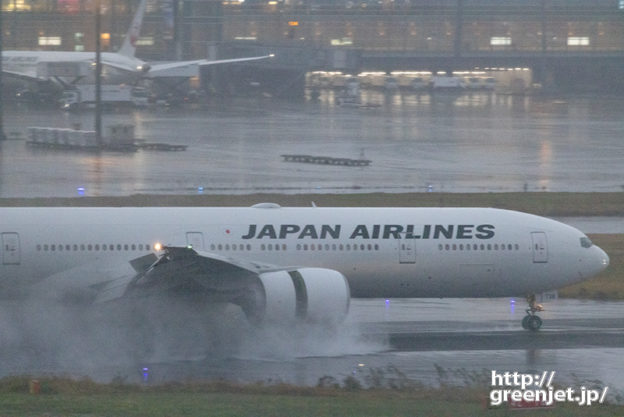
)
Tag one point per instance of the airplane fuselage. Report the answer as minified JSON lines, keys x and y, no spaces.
{"x":383,"y":252}
{"x":27,"y":62}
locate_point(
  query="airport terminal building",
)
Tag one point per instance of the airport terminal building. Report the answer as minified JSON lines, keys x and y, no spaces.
{"x":567,"y":43}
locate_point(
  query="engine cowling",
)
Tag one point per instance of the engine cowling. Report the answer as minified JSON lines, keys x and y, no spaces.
{"x":306,"y":294}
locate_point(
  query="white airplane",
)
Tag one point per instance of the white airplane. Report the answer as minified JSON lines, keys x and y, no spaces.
{"x":288,"y":263}
{"x":32,"y":65}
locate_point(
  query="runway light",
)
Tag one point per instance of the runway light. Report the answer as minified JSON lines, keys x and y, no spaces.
{"x":387,"y":302}
{"x":80,"y":190}
{"x":145,"y":374}
{"x":200,"y":189}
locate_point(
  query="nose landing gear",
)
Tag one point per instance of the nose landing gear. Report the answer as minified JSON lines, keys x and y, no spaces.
{"x":532,"y":321}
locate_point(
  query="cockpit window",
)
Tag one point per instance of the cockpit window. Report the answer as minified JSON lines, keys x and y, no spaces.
{"x":586,"y":242}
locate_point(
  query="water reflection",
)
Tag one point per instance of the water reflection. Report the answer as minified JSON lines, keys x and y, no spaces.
{"x":480,"y":141}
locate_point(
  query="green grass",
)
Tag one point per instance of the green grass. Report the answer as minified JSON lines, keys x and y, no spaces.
{"x":65,"y":397}
{"x":545,"y":203}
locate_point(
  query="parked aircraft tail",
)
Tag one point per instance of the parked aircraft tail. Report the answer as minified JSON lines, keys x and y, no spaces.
{"x":128,"y":47}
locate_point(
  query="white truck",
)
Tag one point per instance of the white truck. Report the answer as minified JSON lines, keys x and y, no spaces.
{"x":83,"y":95}
{"x":445,"y":83}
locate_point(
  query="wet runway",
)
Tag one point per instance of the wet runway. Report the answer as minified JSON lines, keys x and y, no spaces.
{"x":382,"y":342}
{"x":433,"y":342}
{"x":470,"y":142}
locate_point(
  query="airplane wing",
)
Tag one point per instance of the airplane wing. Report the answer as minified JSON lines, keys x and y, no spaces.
{"x":23,"y":75}
{"x":191,"y":68}
{"x":184,"y":270}
{"x":263,"y":291}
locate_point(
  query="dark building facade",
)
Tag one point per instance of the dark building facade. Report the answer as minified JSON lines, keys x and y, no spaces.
{"x":558,"y":39}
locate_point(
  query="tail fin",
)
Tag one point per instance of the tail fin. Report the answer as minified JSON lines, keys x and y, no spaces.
{"x":129,"y":45}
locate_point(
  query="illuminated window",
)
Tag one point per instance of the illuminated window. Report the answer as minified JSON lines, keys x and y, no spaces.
{"x":49,"y":40}
{"x":500,"y":40}
{"x":145,"y":41}
{"x":578,"y":41}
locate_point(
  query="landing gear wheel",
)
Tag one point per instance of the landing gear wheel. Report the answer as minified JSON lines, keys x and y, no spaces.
{"x":525,"y":322}
{"x":534,"y":323}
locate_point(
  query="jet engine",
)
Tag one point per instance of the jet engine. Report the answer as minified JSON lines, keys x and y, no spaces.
{"x":307,"y":294}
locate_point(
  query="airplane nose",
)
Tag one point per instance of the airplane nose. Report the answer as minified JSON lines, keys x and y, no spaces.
{"x":603,"y":259}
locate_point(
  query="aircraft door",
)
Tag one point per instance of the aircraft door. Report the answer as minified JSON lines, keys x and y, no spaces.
{"x":407,"y":250}
{"x":540,"y":247}
{"x":10,"y":249}
{"x":195,"y":240}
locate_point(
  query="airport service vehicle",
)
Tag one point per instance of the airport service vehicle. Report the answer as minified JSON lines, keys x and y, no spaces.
{"x":83,"y":95}
{"x":446,"y":83}
{"x":291,"y":263}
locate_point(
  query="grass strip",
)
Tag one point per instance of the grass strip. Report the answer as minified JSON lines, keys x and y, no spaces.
{"x":544,"y":203}
{"x":66,"y":397}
